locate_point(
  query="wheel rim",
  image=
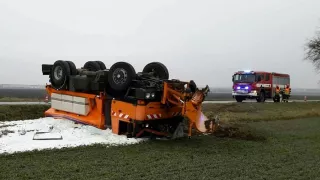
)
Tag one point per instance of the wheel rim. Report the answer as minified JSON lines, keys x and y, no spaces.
{"x":57,"y":73}
{"x":120,"y":76}
{"x":155,"y":74}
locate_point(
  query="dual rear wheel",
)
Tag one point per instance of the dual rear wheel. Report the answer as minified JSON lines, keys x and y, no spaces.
{"x":119,"y":78}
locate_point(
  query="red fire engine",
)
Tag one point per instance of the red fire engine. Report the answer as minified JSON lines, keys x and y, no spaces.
{"x":257,"y":85}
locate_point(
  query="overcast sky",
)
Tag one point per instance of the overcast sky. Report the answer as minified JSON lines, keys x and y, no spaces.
{"x":205,"y":40}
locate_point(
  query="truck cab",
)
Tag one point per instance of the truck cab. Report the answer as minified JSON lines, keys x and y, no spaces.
{"x":251,"y":85}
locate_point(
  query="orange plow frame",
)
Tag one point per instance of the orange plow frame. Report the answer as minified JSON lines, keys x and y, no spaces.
{"x":95,"y":117}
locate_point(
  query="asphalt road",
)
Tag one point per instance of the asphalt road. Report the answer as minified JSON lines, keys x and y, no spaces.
{"x":215,"y":102}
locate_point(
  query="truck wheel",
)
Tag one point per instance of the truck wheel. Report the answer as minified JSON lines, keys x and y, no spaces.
{"x":73,"y":69}
{"x":261,"y":97}
{"x":239,"y":99}
{"x":159,"y":69}
{"x":276,"y":100}
{"x":102,"y":65}
{"x":121,"y":75}
{"x":92,"y":66}
{"x":59,"y":75}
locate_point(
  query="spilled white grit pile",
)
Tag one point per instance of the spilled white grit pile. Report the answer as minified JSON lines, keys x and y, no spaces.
{"x":17,"y":136}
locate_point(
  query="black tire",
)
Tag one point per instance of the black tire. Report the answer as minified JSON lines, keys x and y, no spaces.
{"x":59,"y":75}
{"x":73,"y":68}
{"x":121,"y":75}
{"x":193,"y":86}
{"x":159,"y":69}
{"x":92,"y":66}
{"x":239,"y":99}
{"x":102,"y":65}
{"x":261,"y":97}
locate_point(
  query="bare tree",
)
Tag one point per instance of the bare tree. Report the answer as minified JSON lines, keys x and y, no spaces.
{"x":312,"y":49}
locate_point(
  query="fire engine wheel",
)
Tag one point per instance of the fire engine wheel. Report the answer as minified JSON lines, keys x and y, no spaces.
{"x":121,"y":75}
{"x":73,"y":69}
{"x":102,"y":65}
{"x":160,"y":70}
{"x":92,"y":66}
{"x":261,"y":97}
{"x":239,"y":99}
{"x":59,"y":75}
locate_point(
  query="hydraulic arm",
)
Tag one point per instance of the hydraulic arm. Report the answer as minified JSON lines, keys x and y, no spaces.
{"x":191,"y":105}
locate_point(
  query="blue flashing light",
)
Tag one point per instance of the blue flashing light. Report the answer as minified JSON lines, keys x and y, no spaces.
{"x":246,"y":87}
{"x":238,"y":87}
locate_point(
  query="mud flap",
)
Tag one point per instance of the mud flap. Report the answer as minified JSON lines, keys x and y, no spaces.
{"x":179,"y":132}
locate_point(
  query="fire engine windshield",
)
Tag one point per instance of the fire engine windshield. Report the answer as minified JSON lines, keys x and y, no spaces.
{"x":249,"y":78}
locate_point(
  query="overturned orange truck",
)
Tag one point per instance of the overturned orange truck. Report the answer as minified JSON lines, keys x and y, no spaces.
{"x":139,"y":104}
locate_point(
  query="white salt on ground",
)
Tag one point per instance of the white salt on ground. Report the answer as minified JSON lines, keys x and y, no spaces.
{"x":17,"y":136}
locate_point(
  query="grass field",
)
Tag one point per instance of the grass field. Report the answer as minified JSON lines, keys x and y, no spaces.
{"x":291,"y":150}
{"x":279,"y":149}
{"x":15,"y":99}
{"x":21,"y":112}
{"x":244,"y":112}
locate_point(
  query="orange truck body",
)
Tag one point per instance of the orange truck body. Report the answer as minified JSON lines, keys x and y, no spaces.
{"x":128,"y":113}
{"x":125,"y":112}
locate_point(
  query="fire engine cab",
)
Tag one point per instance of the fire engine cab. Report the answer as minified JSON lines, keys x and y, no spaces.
{"x":257,"y":85}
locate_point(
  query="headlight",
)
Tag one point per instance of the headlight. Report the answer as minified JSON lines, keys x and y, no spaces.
{"x":153,"y":95}
{"x":148,"y":95}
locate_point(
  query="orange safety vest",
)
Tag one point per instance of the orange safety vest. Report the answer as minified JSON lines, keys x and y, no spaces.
{"x":277,"y":90}
{"x":287,"y":91}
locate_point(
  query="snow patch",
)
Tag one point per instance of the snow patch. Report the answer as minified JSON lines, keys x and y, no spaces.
{"x":21,"y":137}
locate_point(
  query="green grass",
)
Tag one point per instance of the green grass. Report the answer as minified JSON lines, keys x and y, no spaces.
{"x":22,"y":112}
{"x":279,"y":149}
{"x":16,"y":99}
{"x":246,"y":112}
{"x":291,"y":151}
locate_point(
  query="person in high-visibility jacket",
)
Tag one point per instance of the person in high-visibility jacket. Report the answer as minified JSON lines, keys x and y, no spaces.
{"x":277,"y":94}
{"x":277,"y":90}
{"x":286,"y":92}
